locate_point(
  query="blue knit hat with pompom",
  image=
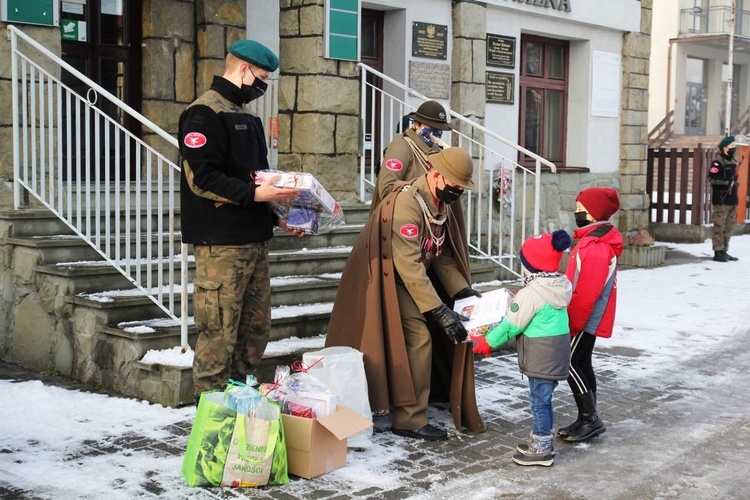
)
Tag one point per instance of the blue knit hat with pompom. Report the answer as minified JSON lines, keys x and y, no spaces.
{"x":543,"y":252}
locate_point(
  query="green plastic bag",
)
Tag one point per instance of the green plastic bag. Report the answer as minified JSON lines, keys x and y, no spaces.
{"x":219,"y":432}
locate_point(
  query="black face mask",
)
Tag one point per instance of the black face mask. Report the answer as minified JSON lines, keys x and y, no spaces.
{"x":730,"y":153}
{"x":581,"y":219}
{"x":449,"y":194}
{"x":254,"y":90}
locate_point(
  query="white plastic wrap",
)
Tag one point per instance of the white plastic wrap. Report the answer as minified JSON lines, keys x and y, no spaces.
{"x":313,"y":210}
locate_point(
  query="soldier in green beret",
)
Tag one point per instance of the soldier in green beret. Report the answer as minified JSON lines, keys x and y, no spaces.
{"x":722,"y":175}
{"x":228,"y":219}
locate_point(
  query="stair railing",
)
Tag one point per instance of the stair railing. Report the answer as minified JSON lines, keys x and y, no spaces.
{"x":109,"y":187}
{"x":662,"y":131}
{"x":496,"y":209}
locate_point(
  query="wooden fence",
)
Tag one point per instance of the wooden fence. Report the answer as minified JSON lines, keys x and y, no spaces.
{"x":677,"y":182}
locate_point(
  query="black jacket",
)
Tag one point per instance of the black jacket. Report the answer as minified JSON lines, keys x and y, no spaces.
{"x":722,"y":175}
{"x":221,"y":146}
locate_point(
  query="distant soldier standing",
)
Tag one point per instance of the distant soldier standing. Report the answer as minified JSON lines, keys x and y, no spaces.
{"x":722,"y":175}
{"x":226,"y":217}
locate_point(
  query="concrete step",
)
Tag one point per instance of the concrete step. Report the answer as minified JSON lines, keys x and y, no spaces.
{"x":41,"y":222}
{"x":301,"y":304}
{"x":692,"y":141}
{"x":287,"y":321}
{"x":54,"y":249}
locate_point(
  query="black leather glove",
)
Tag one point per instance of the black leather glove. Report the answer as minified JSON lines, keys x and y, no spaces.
{"x":449,"y":322}
{"x":466,"y":292}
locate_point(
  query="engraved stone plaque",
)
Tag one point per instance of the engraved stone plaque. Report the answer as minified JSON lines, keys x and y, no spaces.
{"x":430,"y":79}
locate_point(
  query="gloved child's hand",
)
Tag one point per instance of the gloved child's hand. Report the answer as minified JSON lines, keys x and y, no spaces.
{"x":482,"y":347}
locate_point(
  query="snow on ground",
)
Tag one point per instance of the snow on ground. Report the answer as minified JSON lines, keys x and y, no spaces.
{"x":667,"y":316}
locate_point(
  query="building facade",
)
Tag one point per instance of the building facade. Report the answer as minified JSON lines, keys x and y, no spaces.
{"x":567,"y":79}
{"x":691,"y":57}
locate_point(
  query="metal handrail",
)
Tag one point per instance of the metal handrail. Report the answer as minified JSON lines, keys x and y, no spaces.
{"x":46,"y":170}
{"x":662,"y":131}
{"x":481,"y":221}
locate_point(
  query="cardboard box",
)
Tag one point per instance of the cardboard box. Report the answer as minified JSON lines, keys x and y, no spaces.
{"x":316,"y":446}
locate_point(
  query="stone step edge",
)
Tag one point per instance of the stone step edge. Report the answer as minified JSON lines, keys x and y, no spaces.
{"x":73,"y":240}
{"x":96,"y":267}
{"x":165,"y":327}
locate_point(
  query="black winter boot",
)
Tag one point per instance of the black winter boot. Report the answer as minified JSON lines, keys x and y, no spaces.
{"x":590,"y":424}
{"x":729,"y":257}
{"x":564,"y":431}
{"x":720,"y":256}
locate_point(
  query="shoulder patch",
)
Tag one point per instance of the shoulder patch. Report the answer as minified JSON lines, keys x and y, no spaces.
{"x":195,"y":140}
{"x":514,"y":307}
{"x":410,"y":231}
{"x":394,"y":164}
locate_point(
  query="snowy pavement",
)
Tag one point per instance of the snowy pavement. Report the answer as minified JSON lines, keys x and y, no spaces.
{"x":672,"y":391}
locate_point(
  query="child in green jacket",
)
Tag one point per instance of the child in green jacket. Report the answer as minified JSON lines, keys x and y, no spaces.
{"x":538,"y":316}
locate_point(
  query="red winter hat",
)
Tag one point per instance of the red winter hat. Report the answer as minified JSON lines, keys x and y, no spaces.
{"x":543,"y":252}
{"x":601,"y":203}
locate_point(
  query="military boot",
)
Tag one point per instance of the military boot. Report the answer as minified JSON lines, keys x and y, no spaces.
{"x":729,"y":257}
{"x":720,"y":256}
{"x":539,"y":452}
{"x":590,"y":424}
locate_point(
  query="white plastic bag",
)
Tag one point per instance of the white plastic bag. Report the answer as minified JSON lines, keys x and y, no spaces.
{"x":342,"y":369}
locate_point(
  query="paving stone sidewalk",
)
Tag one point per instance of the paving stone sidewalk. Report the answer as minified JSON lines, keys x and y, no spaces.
{"x":650,"y":449}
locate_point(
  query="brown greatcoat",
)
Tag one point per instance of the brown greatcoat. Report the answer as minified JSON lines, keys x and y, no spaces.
{"x":366,"y":317}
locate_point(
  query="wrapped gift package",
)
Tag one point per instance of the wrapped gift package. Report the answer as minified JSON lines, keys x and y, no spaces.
{"x":313,"y":210}
{"x":484,"y":312}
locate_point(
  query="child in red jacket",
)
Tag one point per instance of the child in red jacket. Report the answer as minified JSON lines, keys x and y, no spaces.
{"x":592,"y":269}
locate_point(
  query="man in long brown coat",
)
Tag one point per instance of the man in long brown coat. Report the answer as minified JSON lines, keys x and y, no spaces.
{"x":386,"y":301}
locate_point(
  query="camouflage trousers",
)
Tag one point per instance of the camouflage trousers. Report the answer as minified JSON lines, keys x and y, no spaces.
{"x":232,"y":309}
{"x":724,"y":218}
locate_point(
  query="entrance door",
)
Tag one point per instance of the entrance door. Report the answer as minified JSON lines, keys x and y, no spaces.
{"x":695,"y":97}
{"x":110,"y":55}
{"x":372,"y":55}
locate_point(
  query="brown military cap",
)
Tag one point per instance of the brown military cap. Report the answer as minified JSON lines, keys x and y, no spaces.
{"x":455,"y":164}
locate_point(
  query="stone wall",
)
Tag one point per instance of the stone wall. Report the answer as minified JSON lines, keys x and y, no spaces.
{"x":636,"y":50}
{"x":318,"y":101}
{"x":468,"y":63}
{"x":49,"y":37}
{"x":184,"y":46}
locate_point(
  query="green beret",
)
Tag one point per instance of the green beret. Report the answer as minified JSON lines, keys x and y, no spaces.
{"x":255,"y":53}
{"x":726,"y":141}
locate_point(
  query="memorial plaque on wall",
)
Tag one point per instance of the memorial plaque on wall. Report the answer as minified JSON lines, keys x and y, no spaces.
{"x":501,"y":51}
{"x":430,"y":79}
{"x":500,"y":87}
{"x":429,"y":40}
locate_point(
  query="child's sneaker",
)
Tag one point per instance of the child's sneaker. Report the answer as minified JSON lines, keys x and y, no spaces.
{"x":538,"y":452}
